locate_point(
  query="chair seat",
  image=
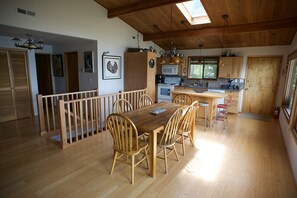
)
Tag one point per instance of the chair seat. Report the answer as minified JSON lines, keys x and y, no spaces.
{"x":223,"y":106}
{"x":203,"y":104}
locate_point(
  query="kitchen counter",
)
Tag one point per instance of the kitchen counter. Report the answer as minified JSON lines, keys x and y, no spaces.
{"x":208,"y":97}
{"x":205,"y":94}
{"x":200,"y":87}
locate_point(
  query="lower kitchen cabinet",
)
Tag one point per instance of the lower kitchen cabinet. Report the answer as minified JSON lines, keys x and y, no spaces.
{"x":236,"y":97}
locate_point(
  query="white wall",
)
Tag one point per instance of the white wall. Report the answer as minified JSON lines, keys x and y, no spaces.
{"x":80,"y":18}
{"x":87,"y":81}
{"x":287,"y":134}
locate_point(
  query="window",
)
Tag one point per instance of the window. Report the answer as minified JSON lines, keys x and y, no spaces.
{"x":290,"y":98}
{"x":291,"y":86}
{"x":194,"y":12}
{"x":203,"y":67}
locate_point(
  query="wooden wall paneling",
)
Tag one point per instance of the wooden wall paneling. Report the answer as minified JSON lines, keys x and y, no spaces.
{"x":151,"y":75}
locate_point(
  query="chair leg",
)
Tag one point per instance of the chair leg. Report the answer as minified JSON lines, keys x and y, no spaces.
{"x":147,"y":162}
{"x":132,"y":169}
{"x":165,"y":159}
{"x":175,"y":152}
{"x":113,"y":162}
{"x":183,"y":144}
{"x":191,"y":139}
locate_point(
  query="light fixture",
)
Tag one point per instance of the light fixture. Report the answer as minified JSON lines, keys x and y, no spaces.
{"x":29,"y":43}
{"x":200,"y":57}
{"x":225,"y":17}
{"x":174,"y":55}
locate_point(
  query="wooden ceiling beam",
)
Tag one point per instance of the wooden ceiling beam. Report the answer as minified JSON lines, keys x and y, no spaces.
{"x":142,"y":5}
{"x":234,"y":29}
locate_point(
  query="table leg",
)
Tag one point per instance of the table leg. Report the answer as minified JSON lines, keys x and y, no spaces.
{"x":153,"y":153}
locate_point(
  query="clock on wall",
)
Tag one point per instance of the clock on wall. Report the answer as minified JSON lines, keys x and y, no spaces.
{"x":151,"y":63}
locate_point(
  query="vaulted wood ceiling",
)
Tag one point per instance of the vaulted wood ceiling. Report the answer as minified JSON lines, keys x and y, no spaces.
{"x":250,"y":22}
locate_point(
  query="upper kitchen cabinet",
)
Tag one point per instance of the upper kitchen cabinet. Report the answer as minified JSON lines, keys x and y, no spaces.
{"x":182,"y":65}
{"x":232,"y":67}
{"x":140,"y":72}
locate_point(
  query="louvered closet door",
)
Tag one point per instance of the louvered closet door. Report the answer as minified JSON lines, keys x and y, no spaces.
{"x":20,"y":84}
{"x":6,"y":91}
{"x":15,"y":99}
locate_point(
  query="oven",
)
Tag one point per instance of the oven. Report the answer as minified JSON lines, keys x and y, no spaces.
{"x":165,"y":88}
{"x":164,"y":92}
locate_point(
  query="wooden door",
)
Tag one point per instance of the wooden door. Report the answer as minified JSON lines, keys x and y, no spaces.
{"x":7,"y":108}
{"x":15,"y":97}
{"x":261,"y":84}
{"x":44,"y":76}
{"x":72,"y":79}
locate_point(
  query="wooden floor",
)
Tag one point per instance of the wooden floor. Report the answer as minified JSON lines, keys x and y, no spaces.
{"x":250,"y":160}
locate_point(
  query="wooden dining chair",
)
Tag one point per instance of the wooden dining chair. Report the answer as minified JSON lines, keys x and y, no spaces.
{"x":184,"y":99}
{"x":126,"y":142}
{"x":121,"y":105}
{"x":185,"y":126}
{"x":145,"y":100}
{"x":166,"y":139}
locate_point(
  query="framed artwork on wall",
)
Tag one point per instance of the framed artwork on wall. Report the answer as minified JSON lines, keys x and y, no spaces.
{"x":57,"y":65}
{"x":89,"y":61}
{"x":111,"y":67}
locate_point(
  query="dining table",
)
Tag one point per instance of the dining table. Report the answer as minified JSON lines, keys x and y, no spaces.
{"x":147,"y":122}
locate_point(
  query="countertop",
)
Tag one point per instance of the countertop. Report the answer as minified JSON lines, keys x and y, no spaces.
{"x":205,"y":94}
{"x":200,"y":87}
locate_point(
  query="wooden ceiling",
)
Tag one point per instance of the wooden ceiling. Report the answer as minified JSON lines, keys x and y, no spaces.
{"x":250,"y":22}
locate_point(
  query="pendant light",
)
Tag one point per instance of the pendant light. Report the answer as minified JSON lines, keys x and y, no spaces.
{"x":29,"y":43}
{"x":174,"y":59}
{"x":225,"y":17}
{"x":200,"y":57}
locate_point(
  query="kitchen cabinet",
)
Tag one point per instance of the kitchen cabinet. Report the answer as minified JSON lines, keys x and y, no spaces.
{"x":236,"y":97}
{"x":232,"y":67}
{"x":182,"y":65}
{"x":140,"y":72}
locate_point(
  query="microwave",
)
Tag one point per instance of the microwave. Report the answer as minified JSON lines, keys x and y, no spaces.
{"x":169,"y":69}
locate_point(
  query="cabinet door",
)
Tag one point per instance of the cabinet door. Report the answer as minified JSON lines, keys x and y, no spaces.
{"x":7,"y":107}
{"x":224,"y":70}
{"x":236,"y":67}
{"x":233,"y":108}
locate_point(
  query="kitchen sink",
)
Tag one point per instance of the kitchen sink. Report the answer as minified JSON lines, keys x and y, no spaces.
{"x":197,"y":90}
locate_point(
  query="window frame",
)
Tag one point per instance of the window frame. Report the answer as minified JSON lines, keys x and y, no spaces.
{"x":217,"y":58}
{"x":292,"y":116}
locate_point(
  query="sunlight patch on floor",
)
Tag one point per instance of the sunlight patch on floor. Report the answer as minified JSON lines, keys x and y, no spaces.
{"x":208,"y":160}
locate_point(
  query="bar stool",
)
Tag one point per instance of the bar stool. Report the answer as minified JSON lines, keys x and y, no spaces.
{"x":205,"y":105}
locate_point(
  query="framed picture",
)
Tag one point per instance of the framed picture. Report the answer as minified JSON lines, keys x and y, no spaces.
{"x":111,"y":67}
{"x":57,"y":65}
{"x":89,"y":62}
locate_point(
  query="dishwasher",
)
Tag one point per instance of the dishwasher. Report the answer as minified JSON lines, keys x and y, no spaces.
{"x":220,"y":100}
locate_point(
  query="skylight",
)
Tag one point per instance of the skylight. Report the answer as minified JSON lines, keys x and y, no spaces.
{"x":194,"y":12}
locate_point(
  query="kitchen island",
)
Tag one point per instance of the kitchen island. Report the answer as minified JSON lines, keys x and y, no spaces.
{"x":209,"y":97}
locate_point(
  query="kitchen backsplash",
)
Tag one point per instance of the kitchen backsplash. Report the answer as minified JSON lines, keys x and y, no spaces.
{"x":226,"y":84}
{"x":220,"y":83}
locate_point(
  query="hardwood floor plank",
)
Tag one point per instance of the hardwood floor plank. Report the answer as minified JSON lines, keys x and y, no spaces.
{"x":250,"y":160}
